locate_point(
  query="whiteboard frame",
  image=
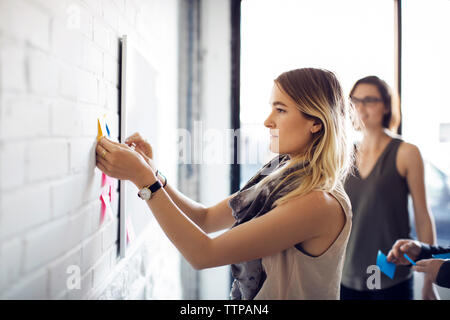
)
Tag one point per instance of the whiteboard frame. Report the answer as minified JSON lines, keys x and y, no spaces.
{"x":123,"y":130}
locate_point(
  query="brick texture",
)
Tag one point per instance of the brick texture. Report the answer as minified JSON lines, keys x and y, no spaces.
{"x":59,"y":71}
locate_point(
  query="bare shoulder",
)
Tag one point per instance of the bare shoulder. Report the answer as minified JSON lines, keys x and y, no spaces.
{"x":408,"y":157}
{"x":407,"y":150}
{"x":323,"y":206}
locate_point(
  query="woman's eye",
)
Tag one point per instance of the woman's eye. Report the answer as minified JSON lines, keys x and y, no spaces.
{"x":280,"y":110}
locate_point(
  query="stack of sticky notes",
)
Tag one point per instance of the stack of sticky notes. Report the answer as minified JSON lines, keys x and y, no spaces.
{"x":108,"y":183}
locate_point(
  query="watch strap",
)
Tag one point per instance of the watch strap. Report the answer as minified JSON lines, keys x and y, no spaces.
{"x":154,"y":187}
{"x":165,"y":179}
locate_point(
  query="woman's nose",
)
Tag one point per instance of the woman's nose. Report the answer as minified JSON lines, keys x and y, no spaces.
{"x":269,"y":122}
{"x":358,"y":107}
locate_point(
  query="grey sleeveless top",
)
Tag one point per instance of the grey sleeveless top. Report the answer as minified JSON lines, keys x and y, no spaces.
{"x":380,"y":217}
{"x":252,"y":201}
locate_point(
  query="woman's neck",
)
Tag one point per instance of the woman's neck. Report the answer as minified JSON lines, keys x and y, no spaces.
{"x":373,"y":140}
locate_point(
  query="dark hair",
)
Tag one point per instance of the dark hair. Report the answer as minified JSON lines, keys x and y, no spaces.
{"x":391,"y":120}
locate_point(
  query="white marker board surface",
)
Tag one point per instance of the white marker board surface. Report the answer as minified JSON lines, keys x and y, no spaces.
{"x":138,"y":114}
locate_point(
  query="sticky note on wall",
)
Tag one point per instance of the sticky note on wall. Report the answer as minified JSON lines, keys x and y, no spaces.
{"x":109,"y":184}
{"x":102,"y":128}
{"x":106,"y":206}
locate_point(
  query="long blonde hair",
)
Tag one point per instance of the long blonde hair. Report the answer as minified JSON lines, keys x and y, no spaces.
{"x":318,"y":95}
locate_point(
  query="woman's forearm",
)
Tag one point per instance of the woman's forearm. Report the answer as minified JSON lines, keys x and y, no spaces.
{"x":192,"y":242}
{"x":426,"y":230}
{"x":194,"y":210}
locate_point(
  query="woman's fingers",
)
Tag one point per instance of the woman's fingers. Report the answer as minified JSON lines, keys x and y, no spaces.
{"x":391,"y":257}
{"x":396,"y":249}
{"x":101,"y":151}
{"x":422,"y":265}
{"x":115,"y":143}
{"x":106,"y":144}
{"x":133,"y":138}
{"x":141,"y":152}
{"x":101,"y":165}
{"x":408,"y":249}
{"x":109,"y":145}
{"x":103,"y":161}
{"x":419,"y":268}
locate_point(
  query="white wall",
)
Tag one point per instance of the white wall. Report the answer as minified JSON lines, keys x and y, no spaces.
{"x":58,"y":73}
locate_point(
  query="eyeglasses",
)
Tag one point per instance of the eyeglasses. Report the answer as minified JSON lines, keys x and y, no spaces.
{"x":367,"y":101}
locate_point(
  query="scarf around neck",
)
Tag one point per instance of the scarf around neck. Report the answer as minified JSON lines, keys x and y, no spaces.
{"x":252,"y":201}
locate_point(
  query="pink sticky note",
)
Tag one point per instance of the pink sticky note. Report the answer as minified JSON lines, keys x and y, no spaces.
{"x":103,"y":179}
{"x":106,"y":206}
{"x":111,"y":192}
{"x":130,"y":230}
{"x":112,"y":189}
{"x":110,"y":185}
{"x":112,"y":181}
{"x":107,"y":180}
{"x":103,"y":210}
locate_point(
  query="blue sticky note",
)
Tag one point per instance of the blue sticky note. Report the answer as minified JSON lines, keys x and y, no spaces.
{"x":442,"y":256}
{"x":107,"y":129}
{"x":388,"y":268}
{"x":409,"y":259}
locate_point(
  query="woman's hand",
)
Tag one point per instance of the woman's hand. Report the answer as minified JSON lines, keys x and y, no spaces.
{"x":430,"y":267}
{"x":120,"y":161}
{"x":411,"y":247}
{"x":143,"y":147}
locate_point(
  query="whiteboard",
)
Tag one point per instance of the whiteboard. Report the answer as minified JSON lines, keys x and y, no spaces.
{"x":138,"y":113}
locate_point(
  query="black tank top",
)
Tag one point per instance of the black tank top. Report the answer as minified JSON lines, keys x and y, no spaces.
{"x":380,"y":217}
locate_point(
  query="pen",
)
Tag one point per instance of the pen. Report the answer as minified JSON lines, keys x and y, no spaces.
{"x":409,"y":259}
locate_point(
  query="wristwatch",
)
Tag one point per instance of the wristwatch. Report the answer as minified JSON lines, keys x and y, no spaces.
{"x":146,"y":192}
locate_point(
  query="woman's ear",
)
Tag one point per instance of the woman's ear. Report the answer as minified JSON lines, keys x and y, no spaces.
{"x":316,"y":127}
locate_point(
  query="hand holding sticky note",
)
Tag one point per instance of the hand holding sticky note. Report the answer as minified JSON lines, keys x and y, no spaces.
{"x":388,"y":268}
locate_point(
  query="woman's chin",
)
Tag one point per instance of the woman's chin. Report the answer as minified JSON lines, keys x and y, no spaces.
{"x":274,"y":149}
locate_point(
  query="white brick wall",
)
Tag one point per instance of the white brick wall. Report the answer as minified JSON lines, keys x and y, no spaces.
{"x":59,"y":72}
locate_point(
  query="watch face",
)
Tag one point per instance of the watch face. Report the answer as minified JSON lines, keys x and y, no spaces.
{"x":145,"y":194}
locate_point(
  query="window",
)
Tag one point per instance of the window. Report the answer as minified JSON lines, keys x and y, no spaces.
{"x":425,"y":102}
{"x":352,"y":38}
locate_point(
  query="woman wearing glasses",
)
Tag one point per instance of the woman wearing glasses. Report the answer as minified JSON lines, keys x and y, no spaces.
{"x":386,"y":171}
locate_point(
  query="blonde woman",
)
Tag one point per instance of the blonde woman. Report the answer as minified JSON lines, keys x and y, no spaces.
{"x":289,"y":225}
